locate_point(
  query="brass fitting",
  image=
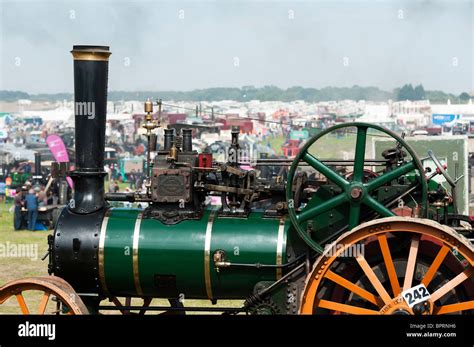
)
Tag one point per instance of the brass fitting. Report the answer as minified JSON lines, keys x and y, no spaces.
{"x":173,"y":153}
{"x":149,"y":123}
{"x":148,"y":106}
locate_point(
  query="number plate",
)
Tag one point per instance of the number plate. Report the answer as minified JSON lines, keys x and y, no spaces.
{"x":415,"y":295}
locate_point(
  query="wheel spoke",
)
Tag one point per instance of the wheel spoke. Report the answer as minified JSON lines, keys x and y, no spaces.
{"x":311,"y":212}
{"x":411,"y":263}
{"x":378,"y":207}
{"x":352,"y":287}
{"x":435,"y":265}
{"x":43,"y":303}
{"x":390,"y":176}
{"x":359,"y":157}
{"x":327,"y":172}
{"x":335,"y":306}
{"x":389,"y":266}
{"x":460,"y":306}
{"x":354,"y":214}
{"x":452,"y":284}
{"x":22,"y":303}
{"x":372,"y":277}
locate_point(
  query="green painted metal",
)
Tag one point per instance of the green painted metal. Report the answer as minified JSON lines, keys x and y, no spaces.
{"x":252,"y":240}
{"x":451,"y":150}
{"x":118,"y":262}
{"x":171,"y":257}
{"x":356,"y":192}
{"x":172,"y":250}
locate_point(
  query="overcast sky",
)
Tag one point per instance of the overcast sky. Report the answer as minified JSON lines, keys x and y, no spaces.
{"x":184,"y":45}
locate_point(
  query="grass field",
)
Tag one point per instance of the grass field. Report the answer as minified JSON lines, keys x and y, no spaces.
{"x":14,"y":267}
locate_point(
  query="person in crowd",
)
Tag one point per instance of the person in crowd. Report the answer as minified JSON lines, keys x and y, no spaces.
{"x":116,"y":187}
{"x":32,"y":206}
{"x":3,"y":188}
{"x":114,"y":172}
{"x":42,"y":198}
{"x":27,"y":168}
{"x":18,"y":203}
{"x":111,"y":186}
{"x":107,"y":171}
{"x":132,"y":179}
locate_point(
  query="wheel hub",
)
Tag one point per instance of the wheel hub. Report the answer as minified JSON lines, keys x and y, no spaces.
{"x":397,"y":306}
{"x":356,"y":192}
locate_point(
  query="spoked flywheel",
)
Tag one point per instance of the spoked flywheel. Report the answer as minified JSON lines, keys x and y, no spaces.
{"x":393,"y":265}
{"x":341,"y":201}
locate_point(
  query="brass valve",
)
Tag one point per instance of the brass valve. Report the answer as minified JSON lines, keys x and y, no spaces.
{"x":150,"y":123}
{"x":148,"y":106}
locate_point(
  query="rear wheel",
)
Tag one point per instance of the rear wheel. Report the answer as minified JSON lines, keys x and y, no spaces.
{"x":367,"y":270}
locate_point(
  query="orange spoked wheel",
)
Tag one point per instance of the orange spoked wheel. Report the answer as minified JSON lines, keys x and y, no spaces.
{"x":393,"y":265}
{"x":55,"y":296}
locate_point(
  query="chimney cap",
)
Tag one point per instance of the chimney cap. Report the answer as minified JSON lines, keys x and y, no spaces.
{"x":94,"y":53}
{"x":90,"y":48}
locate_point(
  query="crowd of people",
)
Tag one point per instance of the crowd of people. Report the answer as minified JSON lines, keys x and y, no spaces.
{"x":29,"y":199}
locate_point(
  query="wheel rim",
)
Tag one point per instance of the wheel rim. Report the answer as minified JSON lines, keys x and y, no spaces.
{"x":50,"y":286}
{"x":355,"y":192}
{"x":446,"y":277}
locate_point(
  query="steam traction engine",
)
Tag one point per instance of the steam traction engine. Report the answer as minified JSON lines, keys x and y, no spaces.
{"x":279,"y":243}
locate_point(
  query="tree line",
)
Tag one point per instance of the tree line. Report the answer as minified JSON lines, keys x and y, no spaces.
{"x":266,"y":93}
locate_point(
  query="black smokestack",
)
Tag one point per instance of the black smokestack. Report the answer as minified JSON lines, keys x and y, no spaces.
{"x":37,"y":164}
{"x":187,"y":140}
{"x":90,"y":109}
{"x":37,"y":176}
{"x":169,"y":138}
